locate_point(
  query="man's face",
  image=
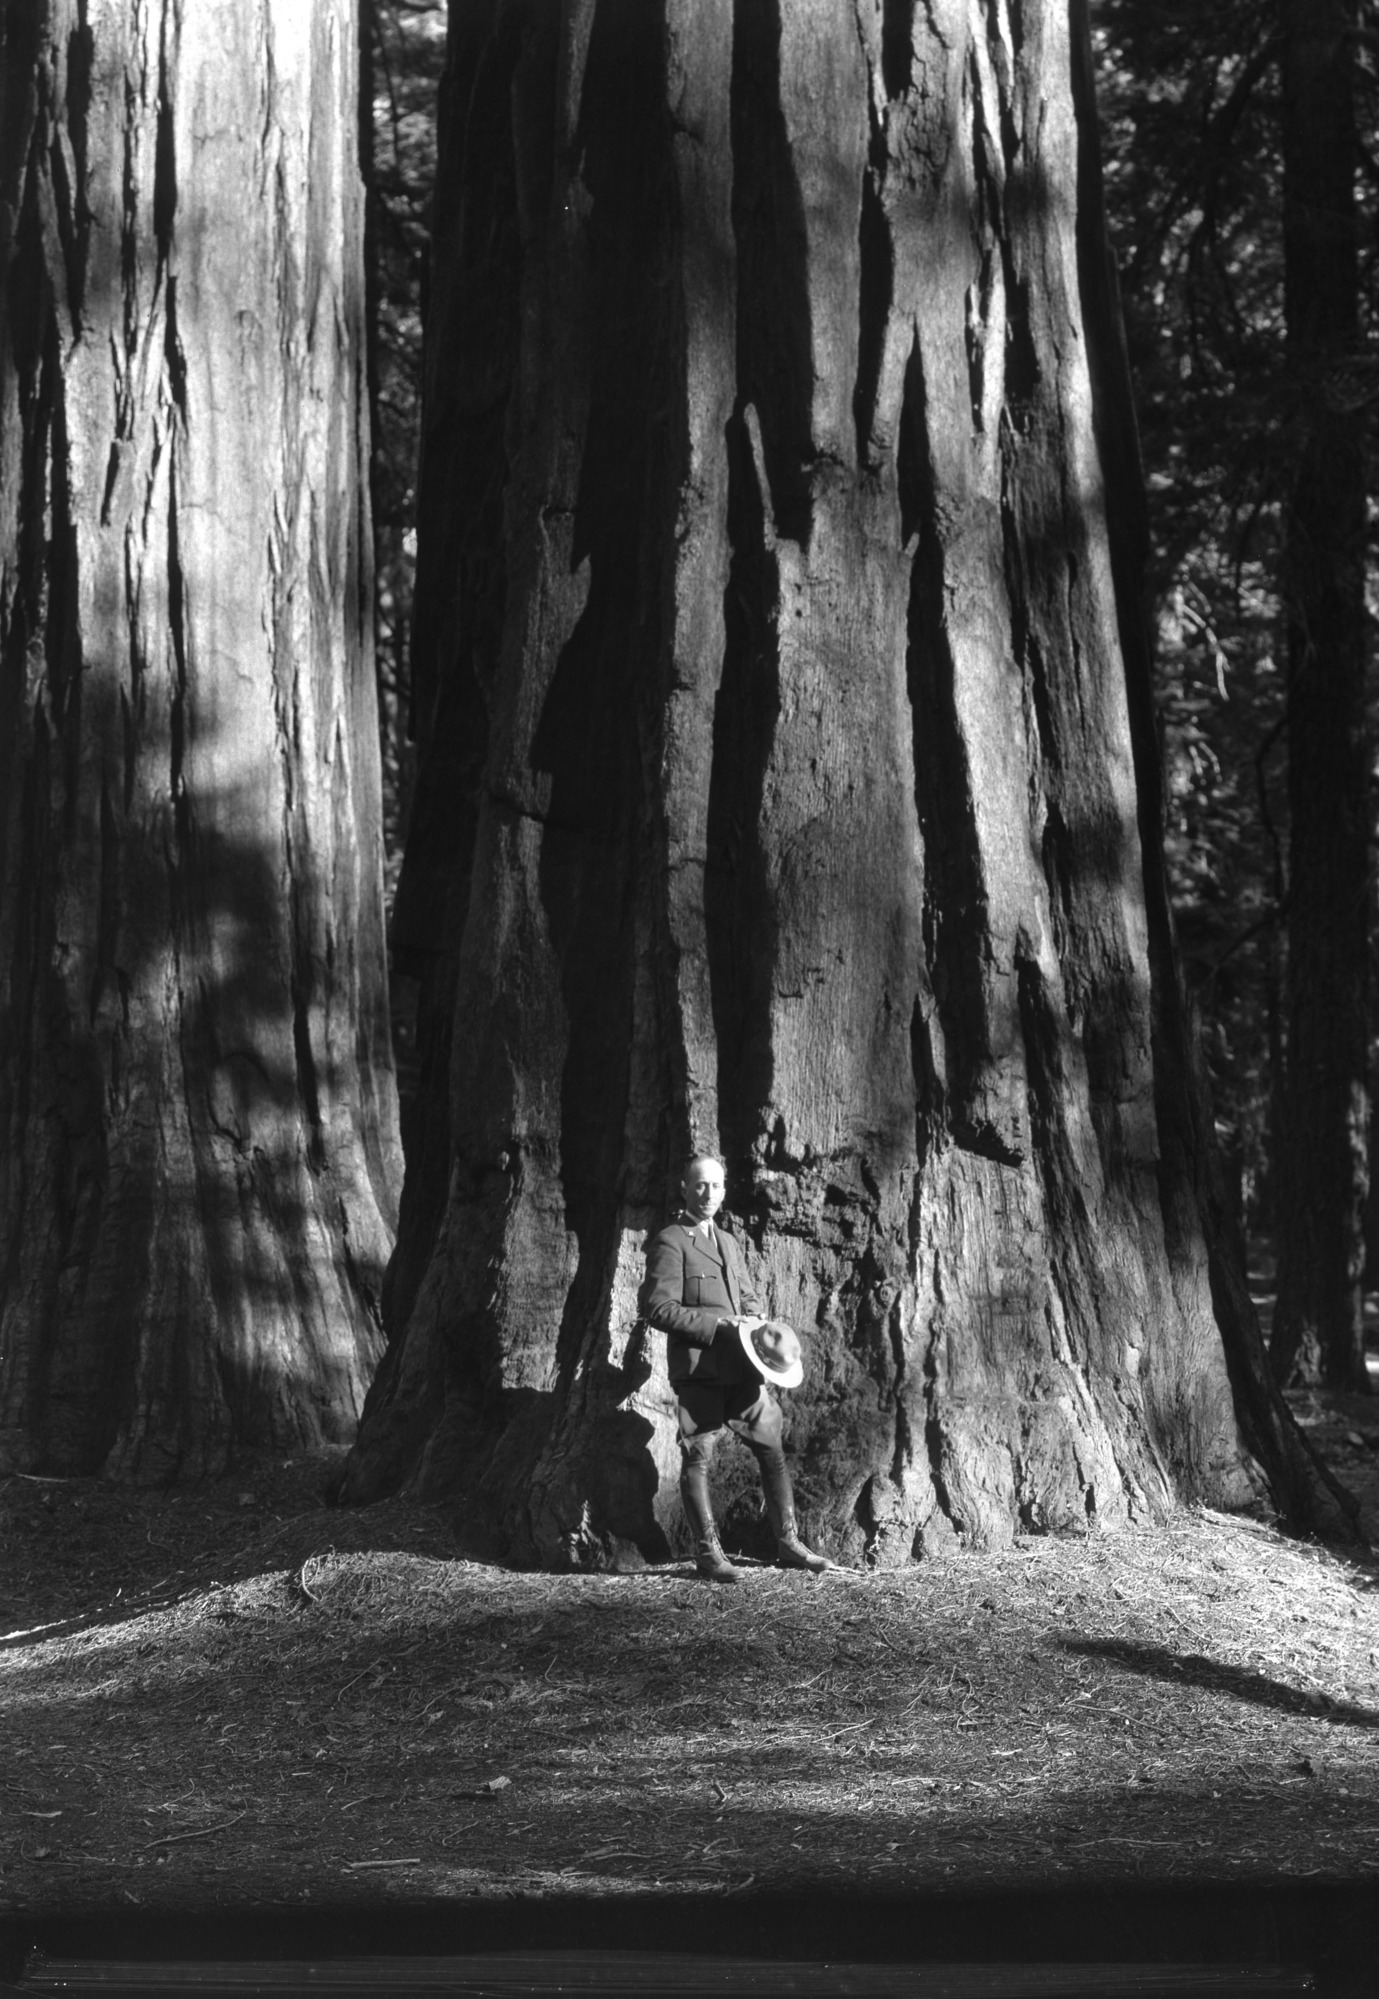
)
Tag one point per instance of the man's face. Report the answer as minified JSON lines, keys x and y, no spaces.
{"x":702,"y":1188}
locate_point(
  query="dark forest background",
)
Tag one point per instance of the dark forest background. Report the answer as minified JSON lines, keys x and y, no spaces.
{"x":1194,"y":126}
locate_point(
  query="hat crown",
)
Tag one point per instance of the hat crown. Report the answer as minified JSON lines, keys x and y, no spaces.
{"x":774,"y":1341}
{"x":774,"y":1350}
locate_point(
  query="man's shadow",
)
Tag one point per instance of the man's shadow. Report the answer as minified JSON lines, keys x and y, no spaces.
{"x":1159,"y":1663}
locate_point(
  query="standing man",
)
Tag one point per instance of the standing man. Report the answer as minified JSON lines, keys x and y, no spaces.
{"x":698,"y":1293}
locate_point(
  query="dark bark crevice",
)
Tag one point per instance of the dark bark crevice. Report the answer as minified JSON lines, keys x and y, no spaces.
{"x":897,"y":47}
{"x":306,"y":1072}
{"x":914,"y":475}
{"x":955,"y":921}
{"x":1008,"y":203}
{"x":1044,"y":1082}
{"x":164,"y":214}
{"x":174,"y":359}
{"x":738,"y":914}
{"x":181,"y":856}
{"x":775,"y":362}
{"x":877,"y":273}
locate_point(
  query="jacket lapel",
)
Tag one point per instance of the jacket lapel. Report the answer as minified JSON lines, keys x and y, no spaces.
{"x":727,"y":1248}
{"x":719,"y":1248}
{"x":710,"y":1246}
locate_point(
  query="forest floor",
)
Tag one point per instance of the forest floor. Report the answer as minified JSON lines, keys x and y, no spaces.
{"x":235,"y":1696}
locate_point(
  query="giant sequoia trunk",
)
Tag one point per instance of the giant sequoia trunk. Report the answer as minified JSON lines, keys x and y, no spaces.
{"x":1323,"y":1162}
{"x":197,"y":1120}
{"x":782,"y":687}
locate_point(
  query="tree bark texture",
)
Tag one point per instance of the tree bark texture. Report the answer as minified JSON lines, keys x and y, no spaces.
{"x":197,"y":1111}
{"x":1324,"y":1165}
{"x":778,"y":790}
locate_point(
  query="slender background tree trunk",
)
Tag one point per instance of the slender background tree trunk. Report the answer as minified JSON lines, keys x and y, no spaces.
{"x":197,"y":1113}
{"x":1324,"y":1164}
{"x":783,"y":790}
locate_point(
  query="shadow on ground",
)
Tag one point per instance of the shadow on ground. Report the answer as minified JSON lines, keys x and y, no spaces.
{"x":1191,"y":1668}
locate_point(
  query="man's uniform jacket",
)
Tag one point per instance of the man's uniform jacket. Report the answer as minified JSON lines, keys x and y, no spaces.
{"x":691,"y":1283}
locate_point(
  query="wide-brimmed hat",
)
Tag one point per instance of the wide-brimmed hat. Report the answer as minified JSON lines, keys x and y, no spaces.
{"x":774,"y":1351}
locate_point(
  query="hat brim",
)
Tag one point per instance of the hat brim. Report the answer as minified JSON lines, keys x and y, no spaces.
{"x":778,"y":1377}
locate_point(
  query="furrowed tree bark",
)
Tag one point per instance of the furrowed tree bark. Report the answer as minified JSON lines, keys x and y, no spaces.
{"x":1324,"y":1151}
{"x":778,"y":792}
{"x":197,"y":1111}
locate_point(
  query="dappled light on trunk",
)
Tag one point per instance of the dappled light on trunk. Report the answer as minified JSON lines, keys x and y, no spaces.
{"x":197,"y":1116}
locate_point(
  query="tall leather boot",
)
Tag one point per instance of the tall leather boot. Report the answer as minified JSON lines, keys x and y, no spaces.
{"x":709,"y":1559}
{"x":791,"y":1551}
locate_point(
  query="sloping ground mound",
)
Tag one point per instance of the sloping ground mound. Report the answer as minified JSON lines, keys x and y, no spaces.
{"x":240,"y":1697}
